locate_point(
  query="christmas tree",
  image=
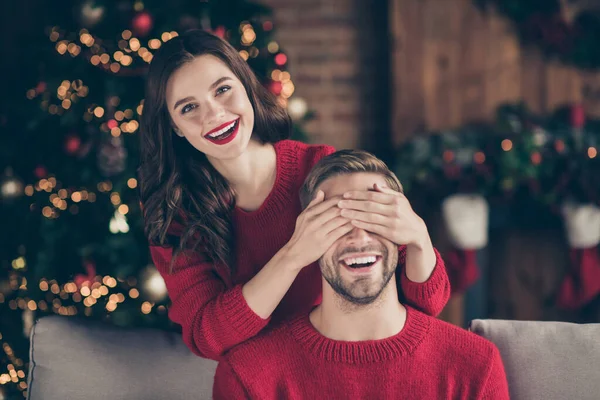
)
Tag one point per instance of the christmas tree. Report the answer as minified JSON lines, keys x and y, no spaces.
{"x":73,"y":241}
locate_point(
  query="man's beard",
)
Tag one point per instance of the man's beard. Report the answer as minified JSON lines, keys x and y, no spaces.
{"x":332,"y":273}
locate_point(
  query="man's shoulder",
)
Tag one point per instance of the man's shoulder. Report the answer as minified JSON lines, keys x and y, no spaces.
{"x":460,"y":344}
{"x":265,"y":347}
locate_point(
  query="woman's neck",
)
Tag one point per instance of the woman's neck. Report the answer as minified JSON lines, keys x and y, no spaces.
{"x":251,"y":175}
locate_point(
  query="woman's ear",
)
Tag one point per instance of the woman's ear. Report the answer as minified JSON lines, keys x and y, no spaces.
{"x":177,"y":131}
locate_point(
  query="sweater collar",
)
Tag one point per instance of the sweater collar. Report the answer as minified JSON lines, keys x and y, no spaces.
{"x":403,"y":343}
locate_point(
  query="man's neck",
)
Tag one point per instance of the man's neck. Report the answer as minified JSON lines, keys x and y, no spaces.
{"x":338,"y":319}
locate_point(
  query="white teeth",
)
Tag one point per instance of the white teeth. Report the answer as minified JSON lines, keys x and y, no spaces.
{"x":360,"y":260}
{"x":222,"y":131}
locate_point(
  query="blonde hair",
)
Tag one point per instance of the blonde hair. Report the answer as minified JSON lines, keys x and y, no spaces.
{"x":345,"y":162}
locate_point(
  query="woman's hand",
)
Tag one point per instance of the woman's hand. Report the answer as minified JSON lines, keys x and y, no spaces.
{"x":386,"y":213}
{"x":317,"y":228}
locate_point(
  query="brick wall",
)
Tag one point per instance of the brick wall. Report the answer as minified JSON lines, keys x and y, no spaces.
{"x":339,"y":63}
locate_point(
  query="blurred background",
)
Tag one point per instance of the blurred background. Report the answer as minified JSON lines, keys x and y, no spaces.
{"x":488,"y":110}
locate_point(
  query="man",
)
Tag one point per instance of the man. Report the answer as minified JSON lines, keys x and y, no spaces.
{"x":361,"y":342}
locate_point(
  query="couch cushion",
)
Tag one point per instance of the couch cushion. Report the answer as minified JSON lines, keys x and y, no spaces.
{"x":78,"y":359}
{"x":547,"y":360}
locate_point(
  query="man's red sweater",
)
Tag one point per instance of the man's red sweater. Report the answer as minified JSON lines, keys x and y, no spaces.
{"x":209,"y":305}
{"x":428,"y":359}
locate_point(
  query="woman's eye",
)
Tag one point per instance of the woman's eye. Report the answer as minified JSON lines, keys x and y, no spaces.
{"x":187,"y":108}
{"x":223,"y":89}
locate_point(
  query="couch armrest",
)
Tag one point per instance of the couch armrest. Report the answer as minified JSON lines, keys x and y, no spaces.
{"x":546,"y":360}
{"x":77,"y":359}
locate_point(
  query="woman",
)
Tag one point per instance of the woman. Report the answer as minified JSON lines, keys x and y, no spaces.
{"x":219,"y":184}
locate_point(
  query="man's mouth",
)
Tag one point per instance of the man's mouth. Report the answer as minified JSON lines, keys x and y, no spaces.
{"x":363,"y":263}
{"x":224,"y":133}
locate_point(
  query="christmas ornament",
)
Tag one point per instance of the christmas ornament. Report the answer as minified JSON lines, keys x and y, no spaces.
{"x":297,"y":108}
{"x":219,"y":31}
{"x":152,"y":284}
{"x":142,"y":23}
{"x":88,"y":277}
{"x":10,"y":186}
{"x":90,"y":13}
{"x":275,"y":87}
{"x":72,"y":144}
{"x":40,"y":172}
{"x":41,"y":87}
{"x":112,"y":156}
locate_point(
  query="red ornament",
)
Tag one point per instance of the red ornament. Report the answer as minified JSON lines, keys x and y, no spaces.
{"x":142,"y":23}
{"x":89,"y":277}
{"x":577,"y":116}
{"x":41,"y":87}
{"x":219,"y":31}
{"x":280,"y":59}
{"x":72,"y":144}
{"x":452,"y":171}
{"x":40,"y":172}
{"x":267,"y":26}
{"x":275,"y":87}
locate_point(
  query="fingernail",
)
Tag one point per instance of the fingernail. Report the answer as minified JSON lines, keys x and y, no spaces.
{"x":346,"y":195}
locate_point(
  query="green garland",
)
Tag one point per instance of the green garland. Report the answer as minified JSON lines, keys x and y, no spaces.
{"x":565,"y":30}
{"x":521,"y":157}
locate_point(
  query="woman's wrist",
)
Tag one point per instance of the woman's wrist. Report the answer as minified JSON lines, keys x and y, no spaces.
{"x":290,"y":259}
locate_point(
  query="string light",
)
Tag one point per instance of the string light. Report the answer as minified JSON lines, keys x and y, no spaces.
{"x":154,"y":44}
{"x":19,"y":263}
{"x":507,"y":145}
{"x":273,"y":47}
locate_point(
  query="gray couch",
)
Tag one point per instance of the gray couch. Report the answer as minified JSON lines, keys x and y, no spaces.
{"x":74,"y":359}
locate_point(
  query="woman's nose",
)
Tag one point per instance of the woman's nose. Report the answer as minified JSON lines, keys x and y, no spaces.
{"x":214,"y":112}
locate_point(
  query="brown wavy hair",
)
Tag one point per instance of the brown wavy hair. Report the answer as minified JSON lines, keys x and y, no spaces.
{"x":178,"y":185}
{"x":344,"y":162}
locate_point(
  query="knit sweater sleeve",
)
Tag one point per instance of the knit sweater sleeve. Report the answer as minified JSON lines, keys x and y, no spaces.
{"x":496,"y":385}
{"x":227,"y":385}
{"x":430,"y":296}
{"x":213,"y":318}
